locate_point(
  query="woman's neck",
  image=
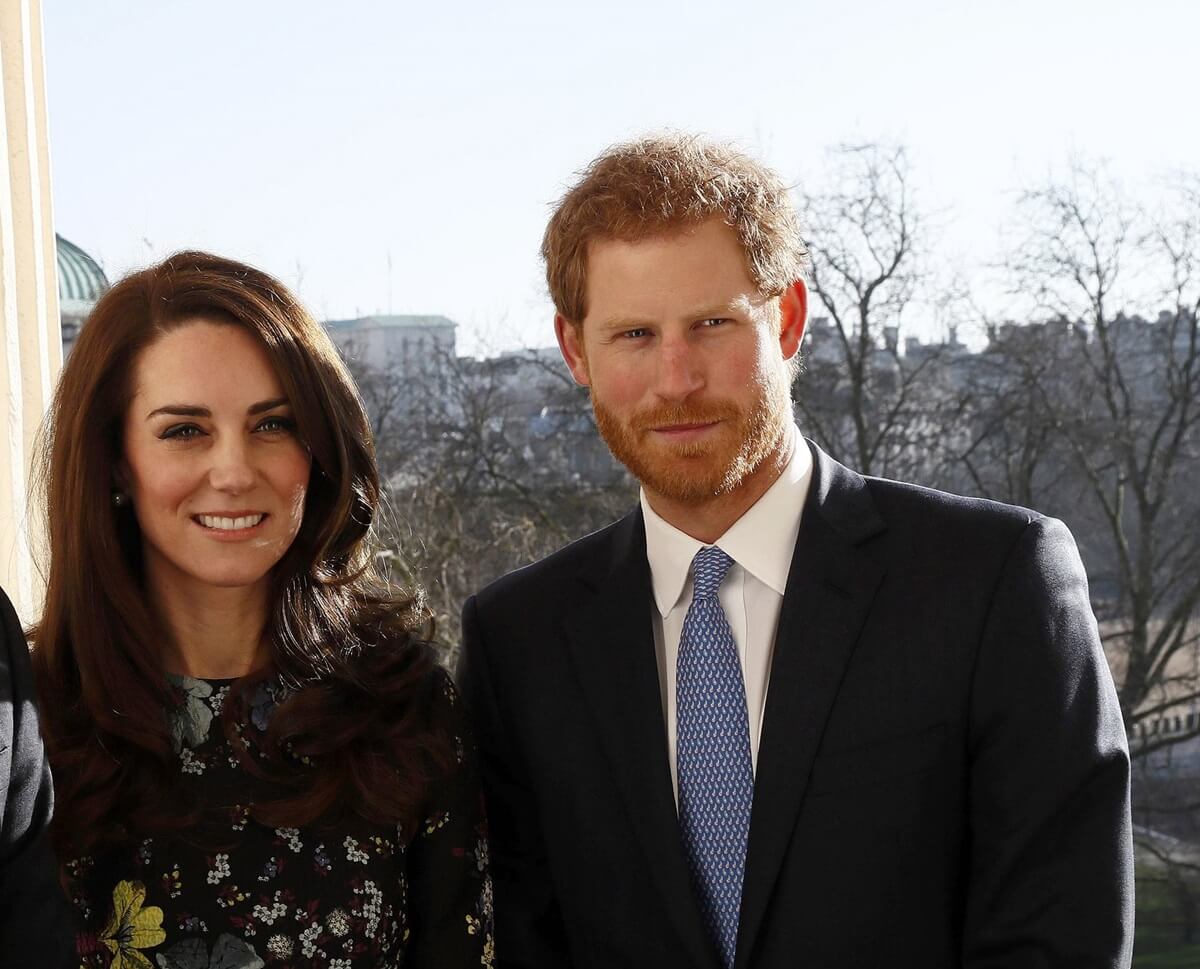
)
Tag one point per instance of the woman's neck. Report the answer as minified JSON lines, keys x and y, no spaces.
{"x":214,"y":633}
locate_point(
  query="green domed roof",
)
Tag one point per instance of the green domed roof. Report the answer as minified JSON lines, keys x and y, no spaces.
{"x":80,"y":278}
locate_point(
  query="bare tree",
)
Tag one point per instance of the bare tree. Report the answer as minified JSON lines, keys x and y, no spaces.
{"x":490,"y":464}
{"x":1125,"y":407}
{"x":862,"y":397}
{"x":1001,"y":440}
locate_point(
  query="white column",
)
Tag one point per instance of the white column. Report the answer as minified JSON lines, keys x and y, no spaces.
{"x":30,"y":340}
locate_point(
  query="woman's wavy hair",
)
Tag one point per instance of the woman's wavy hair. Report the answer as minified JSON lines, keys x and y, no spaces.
{"x":354,"y":732}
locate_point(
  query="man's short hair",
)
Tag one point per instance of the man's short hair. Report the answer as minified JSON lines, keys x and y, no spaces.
{"x":665,"y":182}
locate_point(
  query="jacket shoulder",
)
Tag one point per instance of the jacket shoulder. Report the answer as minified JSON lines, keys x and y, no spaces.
{"x":955,"y":534}
{"x":899,"y":498}
{"x":556,"y":574}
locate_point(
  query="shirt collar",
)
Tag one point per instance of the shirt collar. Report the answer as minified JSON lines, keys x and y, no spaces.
{"x":762,"y":541}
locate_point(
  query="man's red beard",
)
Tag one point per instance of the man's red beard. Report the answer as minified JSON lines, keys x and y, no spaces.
{"x":694,"y":472}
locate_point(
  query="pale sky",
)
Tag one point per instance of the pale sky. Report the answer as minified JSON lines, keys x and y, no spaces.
{"x":318,"y":140}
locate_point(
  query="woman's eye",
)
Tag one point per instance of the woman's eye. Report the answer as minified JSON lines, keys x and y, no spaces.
{"x":181,"y":432}
{"x":277,"y":424}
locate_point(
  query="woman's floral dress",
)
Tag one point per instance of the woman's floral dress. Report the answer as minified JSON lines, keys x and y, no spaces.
{"x":367,"y":896}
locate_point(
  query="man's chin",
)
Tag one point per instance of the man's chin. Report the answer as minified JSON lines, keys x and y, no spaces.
{"x":687,"y":480}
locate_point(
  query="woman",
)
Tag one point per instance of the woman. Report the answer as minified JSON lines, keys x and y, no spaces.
{"x":256,"y":762}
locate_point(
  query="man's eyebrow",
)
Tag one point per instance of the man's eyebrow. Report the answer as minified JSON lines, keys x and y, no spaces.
{"x":713,"y":311}
{"x":704,"y":312}
{"x":192,"y":410}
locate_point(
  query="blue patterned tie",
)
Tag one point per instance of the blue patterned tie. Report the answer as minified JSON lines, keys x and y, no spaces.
{"x":716,"y":781}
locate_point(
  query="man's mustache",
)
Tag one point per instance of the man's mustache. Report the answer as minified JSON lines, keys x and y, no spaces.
{"x":669,"y":415}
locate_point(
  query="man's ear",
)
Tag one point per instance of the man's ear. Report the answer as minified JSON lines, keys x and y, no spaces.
{"x":570,"y":344}
{"x":793,"y":317}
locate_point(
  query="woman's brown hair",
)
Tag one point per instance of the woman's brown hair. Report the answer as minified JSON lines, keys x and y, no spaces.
{"x":359,"y":682}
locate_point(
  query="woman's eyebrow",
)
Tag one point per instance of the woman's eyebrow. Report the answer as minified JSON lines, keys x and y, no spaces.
{"x":263,"y":405}
{"x":192,"y":410}
{"x":181,"y":410}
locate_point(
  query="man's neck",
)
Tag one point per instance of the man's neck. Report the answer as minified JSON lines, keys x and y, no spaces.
{"x":708,"y":520}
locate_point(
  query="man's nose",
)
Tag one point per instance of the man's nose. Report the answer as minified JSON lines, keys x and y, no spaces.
{"x":680,"y":370}
{"x":232,"y":471}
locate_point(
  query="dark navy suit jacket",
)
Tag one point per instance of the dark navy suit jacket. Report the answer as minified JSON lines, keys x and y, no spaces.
{"x":942,"y":780}
{"x":35,"y":922}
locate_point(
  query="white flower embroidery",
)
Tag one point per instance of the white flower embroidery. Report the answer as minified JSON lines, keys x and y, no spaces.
{"x":292,"y":837}
{"x":219,"y":870}
{"x":308,"y":940}
{"x":280,"y":946}
{"x":372,"y":906}
{"x":354,"y":852}
{"x":338,"y":922}
{"x":218,"y":698}
{"x":188,"y":762}
{"x":268,"y":914}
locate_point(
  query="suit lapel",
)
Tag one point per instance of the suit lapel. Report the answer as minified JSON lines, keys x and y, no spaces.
{"x":830,"y":587}
{"x":612,"y":646}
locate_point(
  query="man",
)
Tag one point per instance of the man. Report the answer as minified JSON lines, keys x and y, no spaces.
{"x":781,"y":715}
{"x":35,"y":922}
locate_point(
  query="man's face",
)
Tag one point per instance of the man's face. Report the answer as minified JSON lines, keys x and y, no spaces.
{"x":685,"y":360}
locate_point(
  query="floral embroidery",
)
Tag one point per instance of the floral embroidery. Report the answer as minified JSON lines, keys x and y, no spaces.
{"x":228,"y":952}
{"x":192,"y":717}
{"x":219,"y":869}
{"x":172,"y":882}
{"x":131,"y":927}
{"x":436,"y":821}
{"x":233,"y":893}
{"x":241,"y":815}
{"x":338,"y":922}
{"x":218,"y":699}
{"x":354,"y":852}
{"x":291,"y":837}
{"x":188,"y":762}
{"x":280,"y":946}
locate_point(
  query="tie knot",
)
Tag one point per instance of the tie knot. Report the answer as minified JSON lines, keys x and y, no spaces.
{"x":708,"y":571}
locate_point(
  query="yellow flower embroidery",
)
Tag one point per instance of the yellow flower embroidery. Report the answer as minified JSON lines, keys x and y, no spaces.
{"x":132,"y":927}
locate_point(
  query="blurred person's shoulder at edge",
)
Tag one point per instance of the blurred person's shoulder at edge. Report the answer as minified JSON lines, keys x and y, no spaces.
{"x":35,"y":920}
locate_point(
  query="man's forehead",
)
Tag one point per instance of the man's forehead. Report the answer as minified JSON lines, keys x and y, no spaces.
{"x":667,"y":235}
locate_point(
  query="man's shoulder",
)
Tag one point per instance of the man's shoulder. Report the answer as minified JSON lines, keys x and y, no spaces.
{"x":904,"y":497}
{"x":557,"y":574}
{"x":847,"y":498}
{"x":914,"y":523}
{"x":962,"y":529}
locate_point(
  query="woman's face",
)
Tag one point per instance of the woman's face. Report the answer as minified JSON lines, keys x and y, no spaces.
{"x":212,"y":463}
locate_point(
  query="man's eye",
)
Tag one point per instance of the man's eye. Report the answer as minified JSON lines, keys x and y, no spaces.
{"x":714,"y":321}
{"x":181,"y":432}
{"x":635,"y":333}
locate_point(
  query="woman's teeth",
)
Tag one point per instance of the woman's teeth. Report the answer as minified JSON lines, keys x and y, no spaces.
{"x":229,"y":524}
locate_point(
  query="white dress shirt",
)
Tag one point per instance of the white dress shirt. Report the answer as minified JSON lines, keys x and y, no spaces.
{"x":761,"y":544}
